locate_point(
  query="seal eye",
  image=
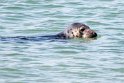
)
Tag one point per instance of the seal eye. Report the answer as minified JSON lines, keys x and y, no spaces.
{"x":82,"y":29}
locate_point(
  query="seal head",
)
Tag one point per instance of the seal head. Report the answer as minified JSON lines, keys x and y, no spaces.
{"x":78,"y":30}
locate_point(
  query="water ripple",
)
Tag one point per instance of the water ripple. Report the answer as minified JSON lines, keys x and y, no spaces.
{"x":62,"y":61}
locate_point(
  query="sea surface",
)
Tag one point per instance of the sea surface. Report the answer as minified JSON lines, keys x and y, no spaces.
{"x":62,"y":61}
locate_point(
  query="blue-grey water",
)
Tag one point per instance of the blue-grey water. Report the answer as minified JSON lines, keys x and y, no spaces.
{"x":62,"y":61}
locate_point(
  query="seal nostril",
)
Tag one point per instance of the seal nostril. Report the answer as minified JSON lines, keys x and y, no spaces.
{"x":94,"y":35}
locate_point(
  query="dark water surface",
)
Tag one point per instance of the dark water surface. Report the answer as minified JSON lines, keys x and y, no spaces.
{"x":62,"y":61}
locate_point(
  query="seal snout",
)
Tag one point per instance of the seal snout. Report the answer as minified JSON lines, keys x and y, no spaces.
{"x":88,"y":33}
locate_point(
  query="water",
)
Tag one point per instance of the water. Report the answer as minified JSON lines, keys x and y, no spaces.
{"x":62,"y":61}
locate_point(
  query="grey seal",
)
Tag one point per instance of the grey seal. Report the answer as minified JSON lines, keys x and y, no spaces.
{"x":77,"y":30}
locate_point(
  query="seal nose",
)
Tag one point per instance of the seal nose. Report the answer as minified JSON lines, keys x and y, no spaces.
{"x":88,"y":33}
{"x":94,"y":35}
